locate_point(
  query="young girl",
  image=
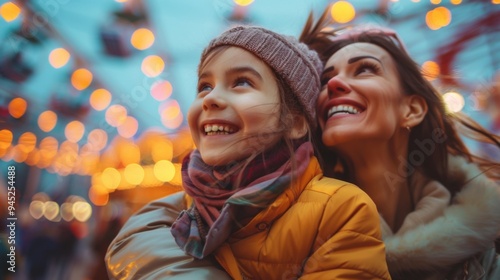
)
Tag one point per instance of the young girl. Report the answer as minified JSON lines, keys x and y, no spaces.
{"x":255,"y":202}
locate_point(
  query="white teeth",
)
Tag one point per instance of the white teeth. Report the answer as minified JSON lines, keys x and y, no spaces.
{"x":212,"y":129}
{"x":345,"y":109}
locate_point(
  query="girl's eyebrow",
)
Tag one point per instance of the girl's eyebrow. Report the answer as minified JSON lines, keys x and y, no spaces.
{"x":243,"y":69}
{"x":357,"y":58}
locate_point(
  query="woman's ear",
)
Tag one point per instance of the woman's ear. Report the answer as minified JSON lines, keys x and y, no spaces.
{"x":299,"y":127}
{"x":414,"y":111}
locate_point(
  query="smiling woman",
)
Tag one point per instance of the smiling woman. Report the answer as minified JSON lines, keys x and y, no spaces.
{"x":256,"y":204}
{"x":384,"y":127}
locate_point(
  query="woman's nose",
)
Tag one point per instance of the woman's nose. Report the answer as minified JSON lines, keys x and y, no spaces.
{"x":336,"y":86}
{"x":214,"y":100}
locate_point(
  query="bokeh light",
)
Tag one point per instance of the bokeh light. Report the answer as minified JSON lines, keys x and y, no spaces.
{"x":431,"y":70}
{"x":74,"y":131}
{"x":17,"y":107}
{"x":161,"y":90}
{"x":5,"y":138}
{"x":111,"y":178}
{"x":142,"y":39}
{"x":27,"y":142}
{"x":243,"y":3}
{"x":9,"y":11}
{"x":100,"y":99}
{"x":82,"y":211}
{"x":134,"y":174}
{"x":128,"y":128}
{"x":164,"y":170}
{"x":116,"y":115}
{"x":59,"y":57}
{"x":81,"y":78}
{"x":171,"y":115}
{"x":438,"y":18}
{"x":98,"y":195}
{"x":342,"y":11}
{"x":454,"y":101}
{"x":47,"y":120}
{"x":152,"y":66}
{"x":97,"y":139}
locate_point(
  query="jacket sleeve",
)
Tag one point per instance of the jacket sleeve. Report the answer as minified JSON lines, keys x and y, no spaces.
{"x":145,"y":249}
{"x":349,"y":242}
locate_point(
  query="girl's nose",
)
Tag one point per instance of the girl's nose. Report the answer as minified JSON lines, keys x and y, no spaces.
{"x":214,"y":101}
{"x":337,"y":86}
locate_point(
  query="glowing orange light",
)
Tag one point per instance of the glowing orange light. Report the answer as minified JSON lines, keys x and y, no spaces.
{"x":111,"y":178}
{"x":128,"y":152}
{"x":161,"y":90}
{"x":456,"y":2}
{"x":162,"y":149}
{"x":47,"y":121}
{"x":430,"y":70}
{"x":443,"y":16}
{"x":152,"y":66}
{"x":27,"y":142}
{"x":81,"y":78}
{"x":164,"y":170}
{"x":9,"y":11}
{"x":17,"y":107}
{"x":134,"y":174}
{"x":100,"y":99}
{"x":98,"y":195}
{"x":128,"y":128}
{"x":74,"y":131}
{"x":5,"y":138}
{"x":48,"y":147}
{"x":97,"y":139}
{"x":59,"y":57}
{"x":116,"y":115}
{"x":142,"y":39}
{"x":342,"y":11}
{"x":438,"y":18}
{"x":243,"y":2}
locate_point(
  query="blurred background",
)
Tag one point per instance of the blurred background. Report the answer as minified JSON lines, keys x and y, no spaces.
{"x":94,"y":94}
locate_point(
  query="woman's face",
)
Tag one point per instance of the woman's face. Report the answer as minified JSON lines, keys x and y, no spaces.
{"x":237,"y":109}
{"x":361,"y":98}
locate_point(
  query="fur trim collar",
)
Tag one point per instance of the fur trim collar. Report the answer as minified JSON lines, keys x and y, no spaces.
{"x":465,"y":227}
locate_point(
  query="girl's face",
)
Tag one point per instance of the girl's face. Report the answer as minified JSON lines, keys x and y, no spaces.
{"x":236,"y":112}
{"x":361,"y":97}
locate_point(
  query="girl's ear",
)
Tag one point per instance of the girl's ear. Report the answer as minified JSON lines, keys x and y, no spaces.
{"x":299,"y":127}
{"x":415,"y":109}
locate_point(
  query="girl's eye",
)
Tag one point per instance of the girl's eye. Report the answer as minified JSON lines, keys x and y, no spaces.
{"x":242,"y":82}
{"x":367,"y":67}
{"x":204,"y":88}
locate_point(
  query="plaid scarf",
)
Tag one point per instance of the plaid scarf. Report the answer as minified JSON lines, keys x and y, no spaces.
{"x":220,"y":203}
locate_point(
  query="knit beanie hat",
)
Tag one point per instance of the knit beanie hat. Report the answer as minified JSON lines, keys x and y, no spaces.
{"x":291,"y":60}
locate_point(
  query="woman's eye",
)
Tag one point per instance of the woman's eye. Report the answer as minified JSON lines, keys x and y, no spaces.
{"x":367,"y":68}
{"x":324,"y":81}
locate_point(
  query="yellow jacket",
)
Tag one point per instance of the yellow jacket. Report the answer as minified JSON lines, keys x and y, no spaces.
{"x":319,"y":228}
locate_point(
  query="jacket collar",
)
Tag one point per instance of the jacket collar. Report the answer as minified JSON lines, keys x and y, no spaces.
{"x":452,"y":233}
